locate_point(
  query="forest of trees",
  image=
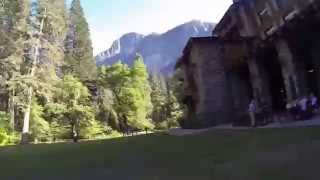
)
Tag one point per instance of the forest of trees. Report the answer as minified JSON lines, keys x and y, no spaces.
{"x":51,"y":89}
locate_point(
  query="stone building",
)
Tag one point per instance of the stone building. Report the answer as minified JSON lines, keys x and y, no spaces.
{"x":268,"y":50}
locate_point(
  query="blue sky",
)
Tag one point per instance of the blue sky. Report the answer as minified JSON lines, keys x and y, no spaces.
{"x":109,"y":19}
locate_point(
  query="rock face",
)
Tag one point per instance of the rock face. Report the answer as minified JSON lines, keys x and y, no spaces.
{"x":160,"y":51}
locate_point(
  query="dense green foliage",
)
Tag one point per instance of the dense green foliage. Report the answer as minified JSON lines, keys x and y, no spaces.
{"x":51,"y":90}
{"x":79,"y":52}
{"x":72,"y":98}
{"x":4,"y":128}
{"x":7,"y":135}
{"x":167,"y":110}
{"x":134,"y":100}
{"x":131,"y":94}
{"x":39,"y":127}
{"x":158,"y":97}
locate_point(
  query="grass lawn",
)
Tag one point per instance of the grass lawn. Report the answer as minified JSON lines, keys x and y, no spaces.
{"x":269,"y":154}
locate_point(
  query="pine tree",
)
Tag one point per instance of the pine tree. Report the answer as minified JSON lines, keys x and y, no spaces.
{"x":73,"y":96}
{"x":13,"y":14}
{"x":13,"y":37}
{"x":131,"y":90}
{"x":158,"y":97}
{"x":141,"y":95}
{"x":39,"y":127}
{"x":175,"y":108}
{"x":115,"y":78}
{"x":54,"y":34}
{"x":46,"y":47}
{"x":79,"y":52}
{"x":56,"y":24}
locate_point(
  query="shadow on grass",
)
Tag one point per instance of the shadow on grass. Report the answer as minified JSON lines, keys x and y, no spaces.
{"x":255,"y":154}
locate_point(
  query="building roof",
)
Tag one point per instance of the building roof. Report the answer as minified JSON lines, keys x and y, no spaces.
{"x":226,"y":19}
{"x":184,"y":59}
{"x":186,"y":51}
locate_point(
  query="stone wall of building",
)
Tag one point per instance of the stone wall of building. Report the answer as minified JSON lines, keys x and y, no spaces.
{"x":260,"y":18}
{"x":215,"y":103}
{"x":238,"y":74}
{"x":211,"y":92}
{"x":315,"y":56}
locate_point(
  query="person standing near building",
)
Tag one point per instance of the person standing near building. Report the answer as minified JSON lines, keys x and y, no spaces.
{"x":293,"y":109}
{"x":252,"y":112}
{"x":314,"y":102}
{"x":303,"y":103}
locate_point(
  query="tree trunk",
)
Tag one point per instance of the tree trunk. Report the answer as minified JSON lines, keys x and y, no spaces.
{"x":75,"y":134}
{"x":11,"y":110}
{"x":26,"y":120}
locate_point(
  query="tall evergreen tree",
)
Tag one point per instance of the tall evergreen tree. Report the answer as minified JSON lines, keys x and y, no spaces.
{"x":56,"y":25}
{"x":74,"y":96}
{"x":131,"y":91}
{"x":115,"y":78}
{"x":174,"y":110}
{"x":54,"y":34}
{"x":140,"y":95}
{"x":13,"y":37}
{"x":13,"y":17}
{"x":79,"y":52}
{"x":158,"y":98}
{"x":49,"y":31}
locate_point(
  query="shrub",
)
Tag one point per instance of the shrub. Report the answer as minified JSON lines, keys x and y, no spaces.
{"x":172,"y":123}
{"x":4,"y":138}
{"x":4,"y":121}
{"x":162,"y":125}
{"x":39,"y":127}
{"x":6,"y":134}
{"x":14,"y":138}
{"x":113,"y":134}
{"x":59,"y":131}
{"x":94,"y":130}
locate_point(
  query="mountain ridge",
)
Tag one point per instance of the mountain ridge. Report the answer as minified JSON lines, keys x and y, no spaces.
{"x":160,"y":51}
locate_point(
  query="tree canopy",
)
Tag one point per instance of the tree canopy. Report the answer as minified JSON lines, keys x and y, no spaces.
{"x":51,"y":89}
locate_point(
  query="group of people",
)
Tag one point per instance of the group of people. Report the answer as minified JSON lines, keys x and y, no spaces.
{"x":303,"y":108}
{"x":300,"y":109}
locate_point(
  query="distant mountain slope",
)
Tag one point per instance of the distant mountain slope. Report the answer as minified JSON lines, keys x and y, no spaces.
{"x":160,"y":51}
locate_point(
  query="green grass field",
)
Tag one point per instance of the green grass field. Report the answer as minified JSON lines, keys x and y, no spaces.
{"x":270,"y":154}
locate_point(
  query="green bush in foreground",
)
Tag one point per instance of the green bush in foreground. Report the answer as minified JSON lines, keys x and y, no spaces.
{"x":7,"y":135}
{"x":8,"y":138}
{"x":3,"y":137}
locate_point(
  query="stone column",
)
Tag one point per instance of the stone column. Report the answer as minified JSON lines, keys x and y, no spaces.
{"x":302,"y":77}
{"x":289,"y":69}
{"x":260,"y":85}
{"x":315,"y":53}
{"x":248,"y":29}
